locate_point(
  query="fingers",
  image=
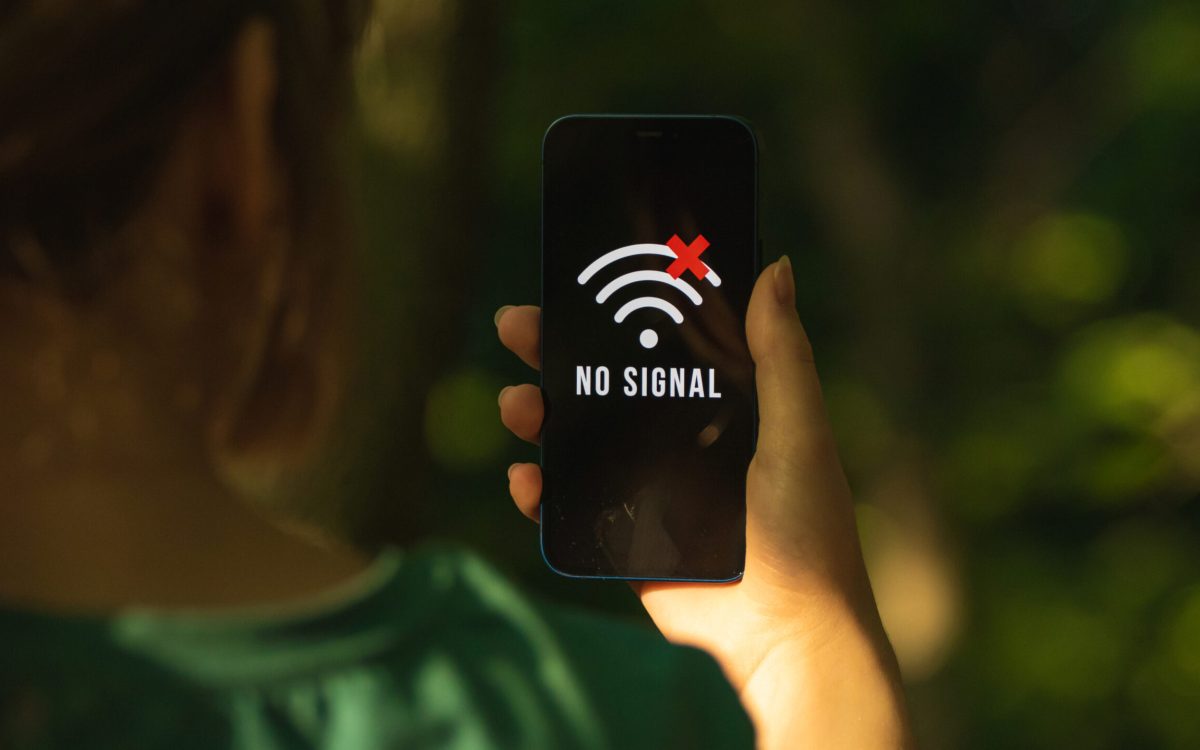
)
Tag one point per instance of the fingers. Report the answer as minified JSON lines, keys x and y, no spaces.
{"x":522,"y":411}
{"x":791,"y":410}
{"x":520,"y":329}
{"x":525,"y":486}
{"x":521,"y":407}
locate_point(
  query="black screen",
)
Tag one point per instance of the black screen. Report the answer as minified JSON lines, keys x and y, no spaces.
{"x":649,"y":253}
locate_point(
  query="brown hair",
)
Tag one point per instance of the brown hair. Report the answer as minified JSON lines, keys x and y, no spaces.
{"x":91,"y":92}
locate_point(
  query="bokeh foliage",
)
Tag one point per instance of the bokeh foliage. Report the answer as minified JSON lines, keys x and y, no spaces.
{"x":994,"y":213}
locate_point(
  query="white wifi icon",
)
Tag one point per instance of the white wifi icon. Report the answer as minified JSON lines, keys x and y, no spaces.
{"x":686,"y":259}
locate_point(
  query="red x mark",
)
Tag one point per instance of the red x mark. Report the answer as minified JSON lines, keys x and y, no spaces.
{"x":687,"y":256}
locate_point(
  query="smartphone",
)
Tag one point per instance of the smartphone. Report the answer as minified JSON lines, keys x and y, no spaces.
{"x":649,"y":253}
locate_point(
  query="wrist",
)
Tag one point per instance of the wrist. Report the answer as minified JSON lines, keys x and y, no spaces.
{"x":833,"y":684}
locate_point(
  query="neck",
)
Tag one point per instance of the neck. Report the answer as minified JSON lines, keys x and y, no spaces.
{"x":82,"y":541}
{"x":107,"y":498}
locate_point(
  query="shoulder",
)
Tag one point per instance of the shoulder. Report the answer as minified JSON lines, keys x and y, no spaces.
{"x":638,"y":689}
{"x":659,"y":694}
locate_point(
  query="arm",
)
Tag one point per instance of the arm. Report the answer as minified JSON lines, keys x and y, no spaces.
{"x":799,"y":636}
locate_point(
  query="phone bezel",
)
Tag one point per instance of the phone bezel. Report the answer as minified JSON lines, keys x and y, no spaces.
{"x":649,"y":123}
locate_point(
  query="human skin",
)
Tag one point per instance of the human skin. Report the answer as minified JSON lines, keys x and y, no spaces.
{"x":118,"y":461}
{"x":117,"y":457}
{"x":799,"y":636}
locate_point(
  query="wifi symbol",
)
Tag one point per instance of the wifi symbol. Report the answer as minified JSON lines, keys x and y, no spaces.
{"x":685,"y":257}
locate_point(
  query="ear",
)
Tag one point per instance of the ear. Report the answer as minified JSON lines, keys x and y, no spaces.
{"x":259,"y":400}
{"x":273,"y":378}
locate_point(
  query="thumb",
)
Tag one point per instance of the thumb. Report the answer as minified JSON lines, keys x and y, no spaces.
{"x":792,"y":418}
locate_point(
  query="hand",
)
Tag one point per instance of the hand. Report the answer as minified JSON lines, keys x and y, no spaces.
{"x":799,"y":636}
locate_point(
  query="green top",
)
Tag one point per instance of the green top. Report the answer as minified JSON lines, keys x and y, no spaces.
{"x":430,"y":650}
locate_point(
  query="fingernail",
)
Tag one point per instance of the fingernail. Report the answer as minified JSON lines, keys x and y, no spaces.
{"x":500,"y":398}
{"x":785,"y":284}
{"x":510,"y":470}
{"x":500,"y":313}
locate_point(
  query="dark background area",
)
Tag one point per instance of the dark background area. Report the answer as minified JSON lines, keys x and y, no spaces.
{"x":993,"y":210}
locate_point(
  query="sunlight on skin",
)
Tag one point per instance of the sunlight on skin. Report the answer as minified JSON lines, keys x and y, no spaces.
{"x":799,"y":636}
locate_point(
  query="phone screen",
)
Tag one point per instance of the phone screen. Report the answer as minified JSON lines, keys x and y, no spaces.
{"x":649,"y":253}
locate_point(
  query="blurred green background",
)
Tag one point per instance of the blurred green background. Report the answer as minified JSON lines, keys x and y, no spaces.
{"x":994,"y":214}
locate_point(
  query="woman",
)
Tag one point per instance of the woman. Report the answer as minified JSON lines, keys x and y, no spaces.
{"x":170,"y":348}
